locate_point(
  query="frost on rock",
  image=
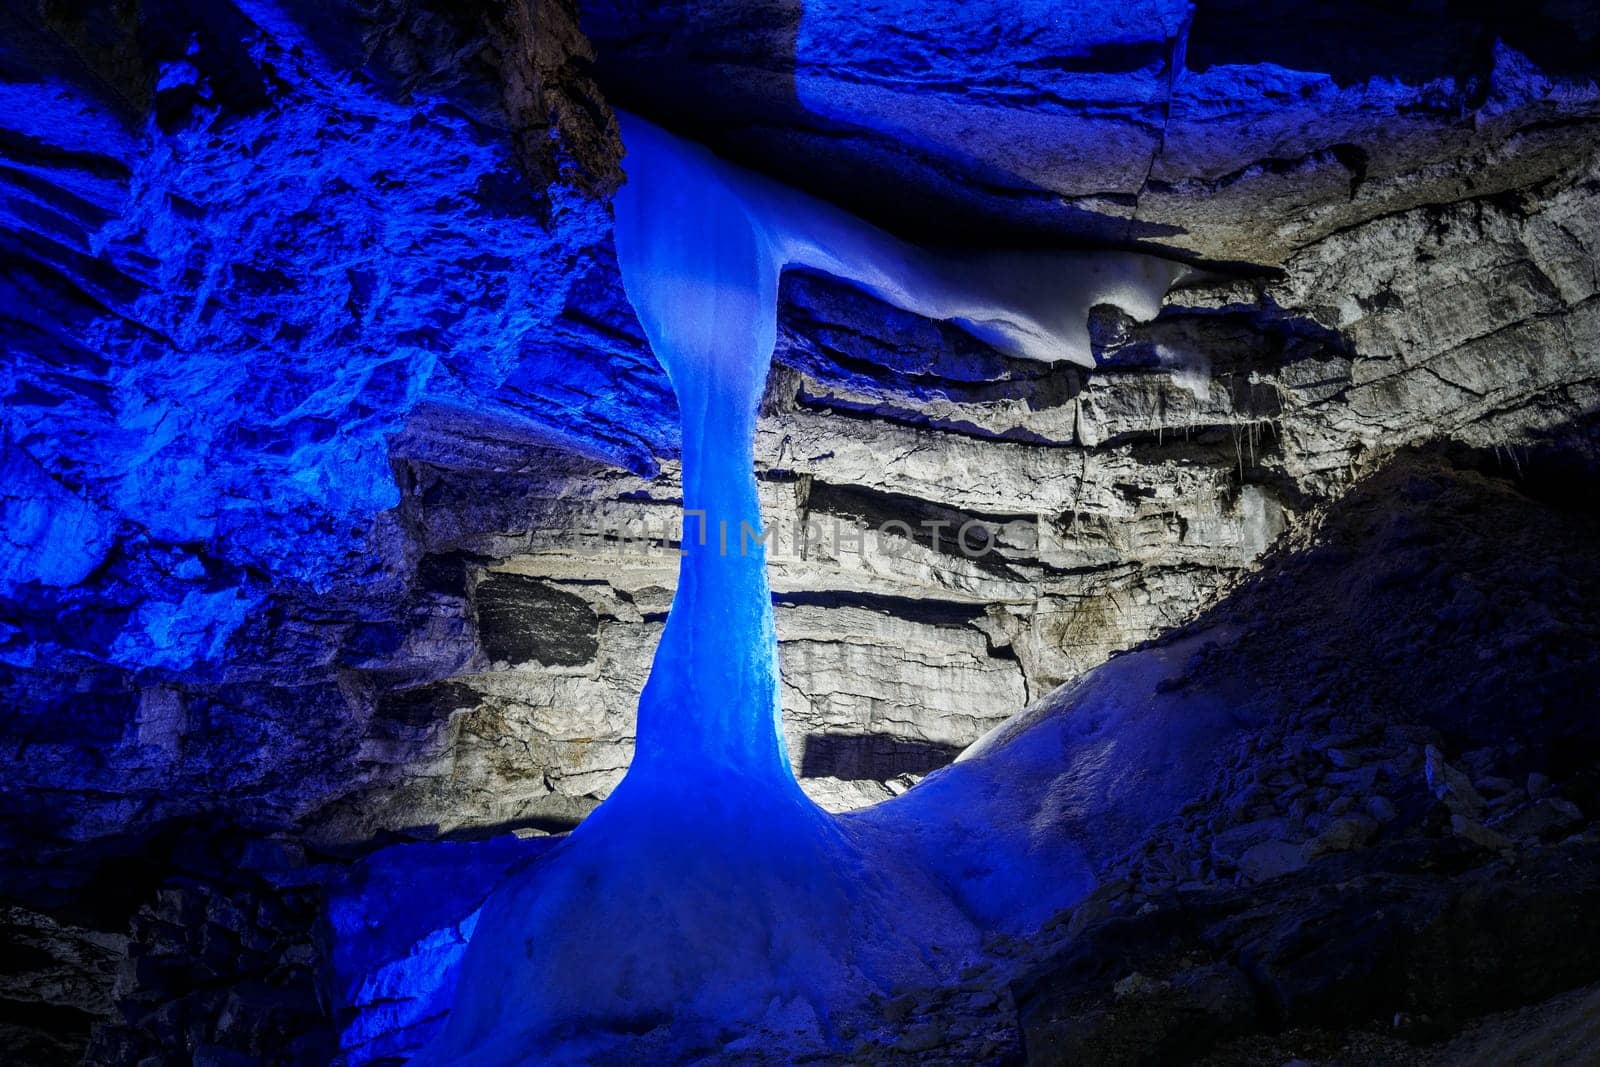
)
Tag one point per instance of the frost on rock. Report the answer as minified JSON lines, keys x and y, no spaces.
{"x":708,"y":890}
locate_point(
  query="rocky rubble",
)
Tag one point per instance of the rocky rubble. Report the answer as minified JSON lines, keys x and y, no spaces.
{"x":64,"y":974}
{"x":1411,"y":941}
{"x":1344,"y":883}
{"x":218,"y":964}
{"x":221,"y":965}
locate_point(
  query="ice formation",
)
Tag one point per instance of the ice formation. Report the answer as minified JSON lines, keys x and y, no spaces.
{"x":708,"y":891}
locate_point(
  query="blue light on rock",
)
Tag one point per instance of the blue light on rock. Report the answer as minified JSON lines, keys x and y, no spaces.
{"x":219,"y":322}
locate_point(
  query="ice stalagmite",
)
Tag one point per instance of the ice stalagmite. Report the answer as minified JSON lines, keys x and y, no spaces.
{"x":707,"y":892}
{"x":700,"y":273}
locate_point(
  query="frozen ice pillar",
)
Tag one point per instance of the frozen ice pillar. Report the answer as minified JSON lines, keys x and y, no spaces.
{"x":701,"y":244}
{"x":707,"y":895}
{"x":703,"y":278}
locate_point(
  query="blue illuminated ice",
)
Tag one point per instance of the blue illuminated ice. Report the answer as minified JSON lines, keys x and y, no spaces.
{"x":708,"y":894}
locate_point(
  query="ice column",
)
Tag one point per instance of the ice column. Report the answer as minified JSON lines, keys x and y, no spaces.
{"x":703,"y":278}
{"x":701,"y":244}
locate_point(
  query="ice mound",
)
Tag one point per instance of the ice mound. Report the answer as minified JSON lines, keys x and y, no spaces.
{"x":702,"y":910}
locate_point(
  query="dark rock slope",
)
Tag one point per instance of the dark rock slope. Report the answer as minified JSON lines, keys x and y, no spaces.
{"x":1412,"y":842}
{"x":1406,"y":843}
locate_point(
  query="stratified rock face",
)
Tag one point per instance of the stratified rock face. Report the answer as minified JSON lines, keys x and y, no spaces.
{"x":324,"y":410}
{"x":1117,"y":502}
{"x":1232,"y":130}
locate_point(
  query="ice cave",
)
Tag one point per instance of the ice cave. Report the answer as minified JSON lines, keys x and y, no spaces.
{"x":784,"y":531}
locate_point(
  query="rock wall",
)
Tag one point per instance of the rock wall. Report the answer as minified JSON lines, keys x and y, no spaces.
{"x":497,"y":687}
{"x":1232,"y":131}
{"x":1118,"y":501}
{"x":318,"y":371}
